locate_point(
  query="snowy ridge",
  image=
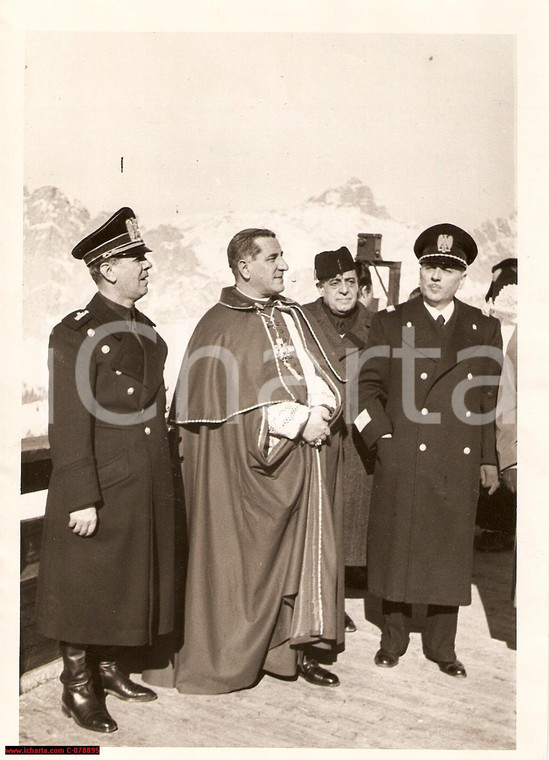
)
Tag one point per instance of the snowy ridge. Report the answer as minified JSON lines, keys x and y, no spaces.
{"x":190,"y":263}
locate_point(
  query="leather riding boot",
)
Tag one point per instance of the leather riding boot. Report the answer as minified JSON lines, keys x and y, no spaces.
{"x":79,"y":699}
{"x":114,"y":681}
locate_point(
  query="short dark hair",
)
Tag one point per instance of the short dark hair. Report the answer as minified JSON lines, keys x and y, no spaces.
{"x":243,"y":244}
{"x":94,"y":270}
{"x":363,"y":274}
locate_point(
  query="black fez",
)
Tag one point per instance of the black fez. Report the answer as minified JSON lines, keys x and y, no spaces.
{"x":119,"y":236}
{"x":511,"y":264}
{"x":331,"y":263}
{"x":446,"y":244}
{"x":504,"y":273}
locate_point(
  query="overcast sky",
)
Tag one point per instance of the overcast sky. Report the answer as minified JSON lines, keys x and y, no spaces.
{"x":208,"y":122}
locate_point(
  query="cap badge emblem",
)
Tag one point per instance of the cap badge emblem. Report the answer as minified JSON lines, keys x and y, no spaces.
{"x":445,"y":243}
{"x":133,"y":229}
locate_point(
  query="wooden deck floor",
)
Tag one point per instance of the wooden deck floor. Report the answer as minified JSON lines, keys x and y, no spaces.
{"x":412,"y":706}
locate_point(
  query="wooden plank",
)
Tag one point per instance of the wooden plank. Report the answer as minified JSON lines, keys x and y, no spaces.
{"x":412,"y":706}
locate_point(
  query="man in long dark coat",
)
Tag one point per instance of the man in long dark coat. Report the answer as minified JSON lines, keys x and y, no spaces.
{"x":106,"y":570}
{"x":256,"y":402}
{"x":343,"y":324}
{"x":427,"y":394}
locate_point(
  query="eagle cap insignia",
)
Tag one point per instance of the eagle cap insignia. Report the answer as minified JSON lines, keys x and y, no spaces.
{"x":133,"y":229}
{"x":445,"y":243}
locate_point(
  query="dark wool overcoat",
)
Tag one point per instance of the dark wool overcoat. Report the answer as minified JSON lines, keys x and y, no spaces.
{"x":358,"y":461}
{"x":426,"y":481}
{"x":115,"y":587}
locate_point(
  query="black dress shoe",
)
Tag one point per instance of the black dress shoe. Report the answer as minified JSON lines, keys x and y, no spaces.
{"x":454,"y":668}
{"x":350,"y":626}
{"x":385,"y":659}
{"x":80,"y":702}
{"x":114,"y":681}
{"x":314,"y":673}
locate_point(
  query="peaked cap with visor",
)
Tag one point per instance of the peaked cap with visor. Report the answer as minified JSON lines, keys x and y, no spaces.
{"x":446,"y":245}
{"x":119,"y":236}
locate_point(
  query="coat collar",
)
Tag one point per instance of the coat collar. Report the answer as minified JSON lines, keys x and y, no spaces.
{"x":234,"y":299}
{"x":464,"y":322}
{"x":463,"y":333}
{"x":145,"y":365}
{"x":354,"y":340}
{"x":104,"y":314}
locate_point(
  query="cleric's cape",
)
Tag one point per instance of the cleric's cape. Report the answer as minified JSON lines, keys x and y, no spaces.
{"x":263,"y":571}
{"x":233,"y":364}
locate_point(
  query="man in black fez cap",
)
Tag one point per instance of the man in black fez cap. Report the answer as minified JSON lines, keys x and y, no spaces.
{"x":106,"y":568}
{"x":337,"y":281}
{"x":343,"y":323}
{"x":427,"y":397}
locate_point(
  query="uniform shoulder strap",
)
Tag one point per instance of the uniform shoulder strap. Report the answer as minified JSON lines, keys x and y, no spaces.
{"x":76,"y":319}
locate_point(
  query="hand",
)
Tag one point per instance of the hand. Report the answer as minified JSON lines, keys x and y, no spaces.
{"x":83,"y":521}
{"x":489,"y":477}
{"x":317,"y":429}
{"x":509,"y":479}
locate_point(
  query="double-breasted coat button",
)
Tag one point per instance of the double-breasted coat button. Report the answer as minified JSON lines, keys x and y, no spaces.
{"x":91,"y":332}
{"x":425,"y":410}
{"x":408,"y":324}
{"x":467,"y":413}
{"x":469,"y":376}
{"x":147,"y":431}
{"x":467,"y":450}
{"x":424,"y":375}
{"x":105,"y":349}
{"x":130,"y":391}
{"x":422,"y":447}
{"x":117,"y":372}
{"x":474,"y":327}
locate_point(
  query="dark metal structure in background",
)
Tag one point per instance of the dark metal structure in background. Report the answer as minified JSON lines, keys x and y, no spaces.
{"x":369,"y":251}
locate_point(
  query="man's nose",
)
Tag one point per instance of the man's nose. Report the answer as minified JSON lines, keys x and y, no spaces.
{"x":147,"y":264}
{"x":282,"y":265}
{"x":436,"y":274}
{"x":343,"y":288}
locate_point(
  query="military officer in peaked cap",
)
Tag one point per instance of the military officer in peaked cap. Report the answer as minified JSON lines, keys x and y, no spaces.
{"x":106,"y":570}
{"x":427,"y":397}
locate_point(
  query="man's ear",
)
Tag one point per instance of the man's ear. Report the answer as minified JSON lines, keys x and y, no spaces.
{"x":462,"y":281}
{"x":108,"y":271}
{"x":320,"y":287}
{"x":243,"y":269}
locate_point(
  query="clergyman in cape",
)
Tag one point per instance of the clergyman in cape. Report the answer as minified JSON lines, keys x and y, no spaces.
{"x":258,"y":410}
